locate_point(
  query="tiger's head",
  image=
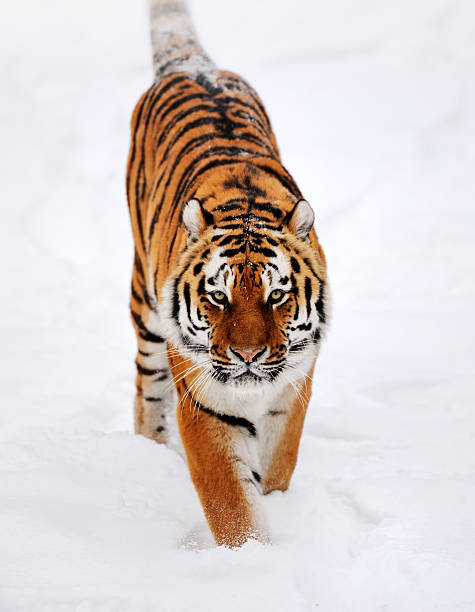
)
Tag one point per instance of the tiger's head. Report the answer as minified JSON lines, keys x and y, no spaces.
{"x":248,"y":297}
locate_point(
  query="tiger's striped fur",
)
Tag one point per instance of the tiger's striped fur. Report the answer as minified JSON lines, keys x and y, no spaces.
{"x":229,"y":284}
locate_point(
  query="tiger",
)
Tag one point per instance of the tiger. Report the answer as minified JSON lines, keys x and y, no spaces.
{"x":229,"y":292}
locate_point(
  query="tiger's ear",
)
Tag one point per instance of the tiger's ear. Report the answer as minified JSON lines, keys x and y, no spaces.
{"x":195,"y":218}
{"x":300,"y":219}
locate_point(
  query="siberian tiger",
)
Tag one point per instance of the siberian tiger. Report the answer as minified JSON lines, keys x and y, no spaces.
{"x":229,"y":284}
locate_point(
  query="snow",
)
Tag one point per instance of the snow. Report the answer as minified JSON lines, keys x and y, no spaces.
{"x":373,"y":104}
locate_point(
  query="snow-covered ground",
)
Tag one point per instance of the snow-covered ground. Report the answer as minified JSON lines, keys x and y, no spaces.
{"x":373,"y":104}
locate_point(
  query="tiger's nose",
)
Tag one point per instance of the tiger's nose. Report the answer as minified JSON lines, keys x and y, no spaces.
{"x":248,"y":355}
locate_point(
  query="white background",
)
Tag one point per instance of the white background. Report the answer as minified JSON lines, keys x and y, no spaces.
{"x":373,"y":104}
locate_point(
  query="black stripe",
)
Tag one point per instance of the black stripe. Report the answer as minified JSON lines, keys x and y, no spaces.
{"x":316,"y":336}
{"x":262,"y":250}
{"x":320,"y":305}
{"x":295,"y":265}
{"x":236,"y":83}
{"x":224,"y":240}
{"x":174,"y":102}
{"x":144,"y":332}
{"x":147,"y":372}
{"x":176,"y":299}
{"x":228,"y":226}
{"x":267,"y":207}
{"x":135,"y":295}
{"x":186,"y":293}
{"x":149,"y":337}
{"x":138,"y":213}
{"x":225,"y":418}
{"x":297,"y":311}
{"x":308,"y":295}
{"x":232,"y":252}
{"x":309,"y":264}
{"x":206,"y":120}
{"x":231,"y":218}
{"x":164,"y":88}
{"x":259,"y":237}
{"x":201,"y":286}
{"x":138,"y":265}
{"x":232,"y":420}
{"x":226,"y":207}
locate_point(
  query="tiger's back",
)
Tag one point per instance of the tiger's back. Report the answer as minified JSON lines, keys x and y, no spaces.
{"x":183,"y":129}
{"x":219,"y":228}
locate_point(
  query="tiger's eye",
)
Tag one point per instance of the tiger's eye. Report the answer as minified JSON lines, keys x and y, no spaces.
{"x":219,"y":296}
{"x":276,"y":295}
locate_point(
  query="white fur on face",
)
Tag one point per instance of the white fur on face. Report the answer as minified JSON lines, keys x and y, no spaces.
{"x":220,"y":273}
{"x":275,"y":273}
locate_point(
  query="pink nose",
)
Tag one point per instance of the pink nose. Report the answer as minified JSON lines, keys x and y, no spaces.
{"x":248,"y":354}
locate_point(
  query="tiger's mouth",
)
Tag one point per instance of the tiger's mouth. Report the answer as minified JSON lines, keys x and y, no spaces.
{"x":245,"y":374}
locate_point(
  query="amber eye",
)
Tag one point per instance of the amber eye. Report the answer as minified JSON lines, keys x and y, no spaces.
{"x":276,"y":296}
{"x":219,"y":296}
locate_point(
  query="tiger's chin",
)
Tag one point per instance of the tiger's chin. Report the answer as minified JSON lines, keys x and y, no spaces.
{"x":248,"y":385}
{"x":246,"y":378}
{"x":246,"y":382}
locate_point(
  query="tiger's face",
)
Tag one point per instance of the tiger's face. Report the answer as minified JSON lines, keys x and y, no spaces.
{"x":251,"y":312}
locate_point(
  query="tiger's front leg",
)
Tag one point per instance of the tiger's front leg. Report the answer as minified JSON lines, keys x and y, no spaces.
{"x":226,"y":485}
{"x":155,"y":395}
{"x":280,"y":431}
{"x":221,"y":452}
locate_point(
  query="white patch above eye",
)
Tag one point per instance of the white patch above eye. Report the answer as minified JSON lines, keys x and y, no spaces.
{"x":214,"y":263}
{"x":220,"y":273}
{"x":274,"y":273}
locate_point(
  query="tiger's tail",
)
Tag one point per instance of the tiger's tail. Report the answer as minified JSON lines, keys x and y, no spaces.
{"x":175,"y":46}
